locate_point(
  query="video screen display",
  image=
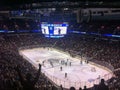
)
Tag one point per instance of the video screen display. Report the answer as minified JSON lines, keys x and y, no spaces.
{"x":54,"y":30}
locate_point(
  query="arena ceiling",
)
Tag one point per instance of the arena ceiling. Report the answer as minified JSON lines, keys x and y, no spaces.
{"x":32,"y":4}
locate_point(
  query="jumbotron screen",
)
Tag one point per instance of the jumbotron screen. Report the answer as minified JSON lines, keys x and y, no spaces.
{"x":54,"y":30}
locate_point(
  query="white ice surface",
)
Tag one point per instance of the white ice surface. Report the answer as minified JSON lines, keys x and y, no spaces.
{"x":78,"y":74}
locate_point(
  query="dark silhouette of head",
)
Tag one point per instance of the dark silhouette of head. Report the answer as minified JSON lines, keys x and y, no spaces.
{"x":85,"y":87}
{"x":80,"y":88}
{"x":102,"y":81}
{"x":72,"y":88}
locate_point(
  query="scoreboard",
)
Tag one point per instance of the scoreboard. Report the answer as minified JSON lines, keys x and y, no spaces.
{"x":54,"y":30}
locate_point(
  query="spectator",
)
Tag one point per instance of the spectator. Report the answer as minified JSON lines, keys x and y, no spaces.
{"x":102,"y":85}
{"x":28,"y":84}
{"x":72,"y":88}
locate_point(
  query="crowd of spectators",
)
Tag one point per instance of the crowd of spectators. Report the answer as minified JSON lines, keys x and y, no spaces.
{"x":28,"y":25}
{"x":100,"y":27}
{"x":99,"y":50}
{"x":18,"y":24}
{"x":95,"y":49}
{"x":9,"y":60}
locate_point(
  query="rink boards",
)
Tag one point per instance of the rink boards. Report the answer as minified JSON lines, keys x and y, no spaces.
{"x":79,"y":73}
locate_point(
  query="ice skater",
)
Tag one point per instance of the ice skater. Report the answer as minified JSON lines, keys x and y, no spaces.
{"x":67,"y":60}
{"x":43,"y":63}
{"x":87,"y":61}
{"x":99,"y":77}
{"x":93,"y":69}
{"x":65,"y":75}
{"x":61,"y":68}
{"x":70,"y":63}
{"x":81,"y":62}
{"x":62,"y":62}
{"x":65,"y":63}
{"x":51,"y":63}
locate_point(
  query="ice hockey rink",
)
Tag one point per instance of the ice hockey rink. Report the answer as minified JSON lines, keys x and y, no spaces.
{"x":55,"y":63}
